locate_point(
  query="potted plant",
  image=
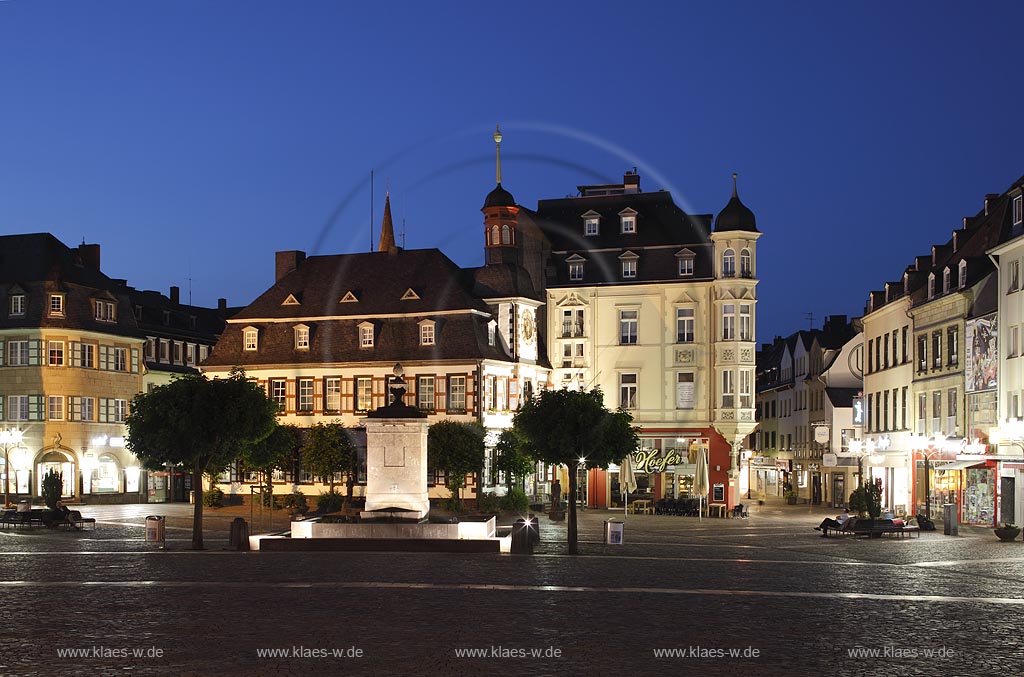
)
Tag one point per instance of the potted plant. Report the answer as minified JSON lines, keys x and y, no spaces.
{"x":1007,"y":531}
{"x":789,"y":493}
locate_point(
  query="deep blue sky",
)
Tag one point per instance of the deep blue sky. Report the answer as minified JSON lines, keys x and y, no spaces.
{"x":197,"y":137}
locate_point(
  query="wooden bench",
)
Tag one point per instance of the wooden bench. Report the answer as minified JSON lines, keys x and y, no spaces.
{"x":874,"y":529}
{"x":44,"y":517}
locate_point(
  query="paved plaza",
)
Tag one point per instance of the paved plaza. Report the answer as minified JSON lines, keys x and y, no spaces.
{"x":758,"y":596}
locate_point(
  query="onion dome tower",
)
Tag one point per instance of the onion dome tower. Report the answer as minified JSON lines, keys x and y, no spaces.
{"x":501,"y":222}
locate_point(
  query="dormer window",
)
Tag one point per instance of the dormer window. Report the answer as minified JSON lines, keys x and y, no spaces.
{"x":945,"y":281}
{"x":575,"y":263}
{"x":591,"y":223}
{"x":301,"y":337}
{"x":492,"y":330}
{"x":17,"y":307}
{"x":105,"y":311}
{"x":963,"y":274}
{"x":365,"y":335}
{"x":250,"y":337}
{"x":628,"y":260}
{"x":729,"y":263}
{"x":1018,"y":214}
{"x":931,"y":285}
{"x":745,"y":269}
{"x":56,"y":305}
{"x":628,"y":220}
{"x":427,"y":333}
{"x":685,"y":258}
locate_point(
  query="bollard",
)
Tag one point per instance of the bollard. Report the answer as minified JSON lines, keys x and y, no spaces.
{"x":522,"y":542}
{"x":239,"y":534}
{"x":534,"y":529}
{"x":155,"y":530}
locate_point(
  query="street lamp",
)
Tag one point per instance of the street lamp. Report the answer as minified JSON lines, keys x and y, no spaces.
{"x":929,"y":447}
{"x":862,"y":449}
{"x":9,"y":439}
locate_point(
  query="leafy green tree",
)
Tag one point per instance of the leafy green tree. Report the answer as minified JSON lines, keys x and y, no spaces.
{"x":276,"y":451}
{"x":458,"y":448}
{"x":200,"y":423}
{"x":329,"y":450}
{"x":512,"y":457}
{"x":573,"y":428}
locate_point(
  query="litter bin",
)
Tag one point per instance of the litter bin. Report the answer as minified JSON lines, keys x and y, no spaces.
{"x":522,"y":541}
{"x":239,"y":539}
{"x":949,"y":517}
{"x":155,"y":529}
{"x":613,"y":532}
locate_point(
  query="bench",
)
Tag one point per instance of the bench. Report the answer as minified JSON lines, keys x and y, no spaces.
{"x":874,"y":529}
{"x":44,"y":517}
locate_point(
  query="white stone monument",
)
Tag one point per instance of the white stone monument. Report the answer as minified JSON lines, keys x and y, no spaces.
{"x":396,"y":459}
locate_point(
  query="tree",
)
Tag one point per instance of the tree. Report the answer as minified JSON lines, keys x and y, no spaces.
{"x":276,"y":451}
{"x":512,"y":457}
{"x":456,"y":447}
{"x":574,"y":428}
{"x":328,"y":451}
{"x":200,"y":423}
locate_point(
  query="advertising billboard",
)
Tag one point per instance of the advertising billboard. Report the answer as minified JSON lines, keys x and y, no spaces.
{"x":982,"y":358}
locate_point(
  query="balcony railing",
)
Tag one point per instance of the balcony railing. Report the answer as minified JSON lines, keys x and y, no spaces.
{"x":572,"y":329}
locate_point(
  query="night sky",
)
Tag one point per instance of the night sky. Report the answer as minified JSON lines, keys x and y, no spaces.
{"x":193,"y":139}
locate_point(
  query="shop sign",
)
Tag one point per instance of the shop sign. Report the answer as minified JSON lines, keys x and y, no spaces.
{"x":821,"y":434}
{"x":651,"y":461}
{"x":829,"y":460}
{"x":858,"y":411}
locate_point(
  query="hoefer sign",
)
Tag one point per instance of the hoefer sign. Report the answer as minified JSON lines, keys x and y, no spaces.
{"x":650,"y":460}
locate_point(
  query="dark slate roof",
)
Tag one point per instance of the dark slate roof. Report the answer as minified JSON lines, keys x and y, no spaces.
{"x":735,"y":216}
{"x":209,"y":322}
{"x":499,"y":197}
{"x":842,"y":398}
{"x":378,"y":280}
{"x":501,"y":280}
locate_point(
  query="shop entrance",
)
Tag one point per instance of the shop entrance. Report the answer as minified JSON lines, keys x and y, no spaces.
{"x":838,"y":491}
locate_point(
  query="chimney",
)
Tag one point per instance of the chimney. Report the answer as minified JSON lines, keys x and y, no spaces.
{"x":631,"y":182}
{"x":990,"y":197}
{"x":175,"y":296}
{"x":90,"y":255}
{"x":286,"y":262}
{"x":222,"y":308}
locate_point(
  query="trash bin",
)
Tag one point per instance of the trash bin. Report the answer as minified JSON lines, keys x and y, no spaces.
{"x":949,"y":517}
{"x":522,"y":541}
{"x":239,"y":539}
{"x":613,"y":532}
{"x":155,"y":529}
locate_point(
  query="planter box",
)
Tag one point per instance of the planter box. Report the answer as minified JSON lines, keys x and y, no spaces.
{"x":1007,"y":534}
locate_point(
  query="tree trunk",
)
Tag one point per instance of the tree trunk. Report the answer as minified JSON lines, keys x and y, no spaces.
{"x":351,"y":484}
{"x":197,"y":513}
{"x":573,"y":550}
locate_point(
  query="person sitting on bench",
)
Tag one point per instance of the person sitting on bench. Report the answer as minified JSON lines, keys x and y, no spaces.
{"x":61,"y":513}
{"x":834,"y":524}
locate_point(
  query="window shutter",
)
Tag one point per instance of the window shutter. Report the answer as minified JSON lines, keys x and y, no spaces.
{"x":379,"y":394}
{"x":470,"y":394}
{"x":289,"y":396}
{"x":347,"y":399}
{"x":440,"y":403}
{"x":513,"y":394}
{"x":34,"y":351}
{"x":135,"y":360}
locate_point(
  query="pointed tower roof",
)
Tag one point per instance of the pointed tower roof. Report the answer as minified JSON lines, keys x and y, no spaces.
{"x":736,"y":215}
{"x":387,"y":230}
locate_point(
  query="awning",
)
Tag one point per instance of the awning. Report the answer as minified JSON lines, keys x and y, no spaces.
{"x":959,"y":465}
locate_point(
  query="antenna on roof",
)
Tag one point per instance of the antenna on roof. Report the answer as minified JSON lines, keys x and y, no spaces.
{"x":810,"y":320}
{"x":190,"y":280}
{"x":403,"y":222}
{"x":371,"y":210}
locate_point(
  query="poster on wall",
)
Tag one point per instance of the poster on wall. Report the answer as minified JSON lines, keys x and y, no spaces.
{"x":982,"y":358}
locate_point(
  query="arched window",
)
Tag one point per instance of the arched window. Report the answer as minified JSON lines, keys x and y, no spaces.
{"x":745,"y":263}
{"x":506,"y":235}
{"x":494,"y":235}
{"x":729,"y":263}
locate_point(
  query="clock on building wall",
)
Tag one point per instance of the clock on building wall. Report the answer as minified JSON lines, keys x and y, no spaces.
{"x":529,"y":328}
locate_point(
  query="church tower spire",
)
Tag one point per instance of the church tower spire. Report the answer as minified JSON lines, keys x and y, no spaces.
{"x":387,"y":230}
{"x":501,"y":223}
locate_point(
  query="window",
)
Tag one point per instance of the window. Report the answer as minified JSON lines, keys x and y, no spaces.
{"x":936,"y":410}
{"x":83,"y":355}
{"x":57,"y":304}
{"x":491,"y":332}
{"x":963,"y":274}
{"x":931,"y":285}
{"x":572,"y":322}
{"x":456,"y":394}
{"x":728,"y":389}
{"x":17,"y":307}
{"x":425,"y":393}
{"x":685,"y":266}
{"x":302,"y":337}
{"x":628,"y":267}
{"x":250,"y":342}
{"x":55,"y":352}
{"x":113,"y":359}
{"x":906,"y":353}
{"x":885,"y":354}
{"x":366,"y":335}
{"x":1014,"y":275}
{"x":685,"y":390}
{"x":190,"y":354}
{"x":895,"y":355}
{"x":953,"y":346}
{"x":364,"y":393}
{"x":506,"y":235}
{"x":82,"y":409}
{"x":936,"y":349}
{"x":19,"y":353}
{"x":945,"y":280}
{"x":729,"y":322}
{"x":627,"y":391}
{"x":871,"y":413}
{"x":951,"y":412}
{"x":113,"y":410}
{"x":427,"y":334}
{"x":576,"y":270}
{"x":204,"y":351}
{"x":685,"y":323}
{"x":1018,"y":216}
{"x":305,"y":395}
{"x":277,"y":392}
{"x":746,"y":392}
{"x":871,"y":364}
{"x":745,"y":270}
{"x":120,"y":410}
{"x":1011,"y":349}
{"x":590,"y":225}
{"x":105,"y":312}
{"x":495,"y":237}
{"x":745,"y":332}
{"x":922,"y":353}
{"x":729,"y":263}
{"x":628,"y":224}
{"x":903,"y":409}
{"x":55,"y":408}
{"x":572,"y":354}
{"x":177,"y":352}
{"x":922,"y":413}
{"x":17,"y":408}
{"x":628,"y":320}
{"x":332,"y":393}
{"x":150,"y":349}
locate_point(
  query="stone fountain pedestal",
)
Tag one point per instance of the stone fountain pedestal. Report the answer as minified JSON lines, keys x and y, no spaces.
{"x":396,"y":468}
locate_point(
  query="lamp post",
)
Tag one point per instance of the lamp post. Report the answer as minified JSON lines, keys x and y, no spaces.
{"x":929,"y":447}
{"x":9,"y":439}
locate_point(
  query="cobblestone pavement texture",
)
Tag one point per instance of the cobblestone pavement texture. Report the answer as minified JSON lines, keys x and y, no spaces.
{"x":934,"y":605}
